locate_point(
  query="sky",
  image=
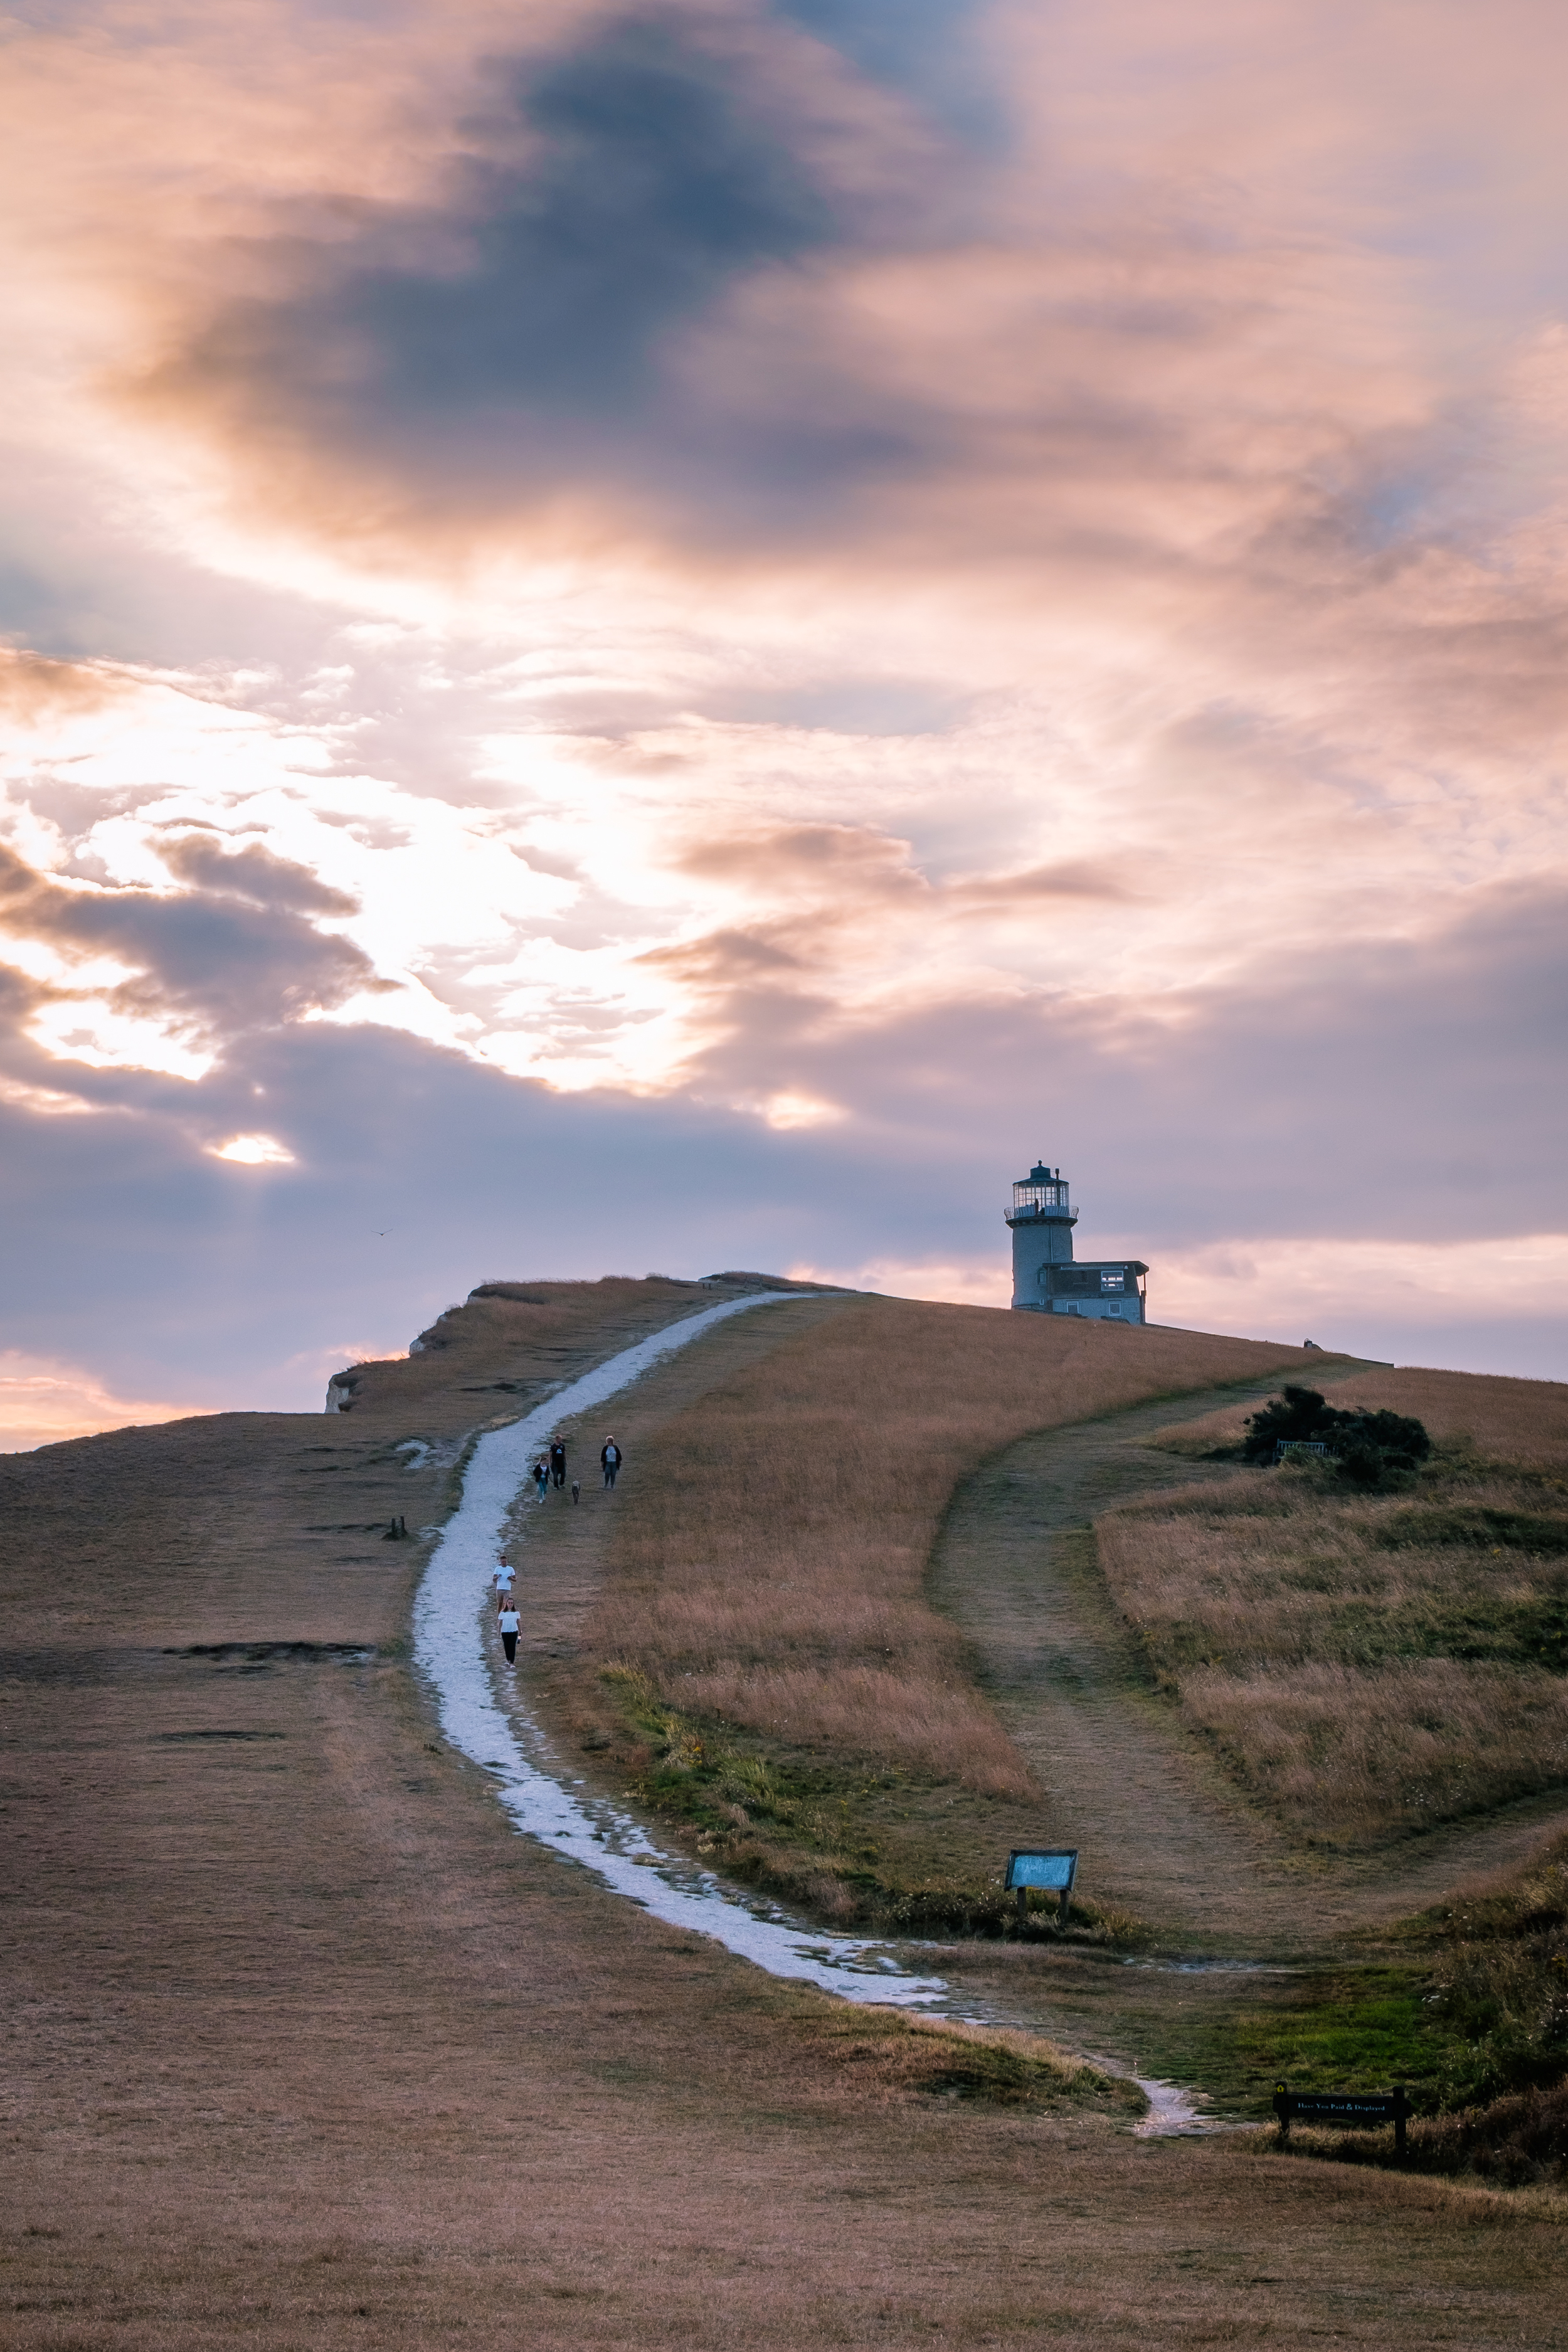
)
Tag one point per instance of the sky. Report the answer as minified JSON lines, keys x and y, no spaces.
{"x":669,"y":638}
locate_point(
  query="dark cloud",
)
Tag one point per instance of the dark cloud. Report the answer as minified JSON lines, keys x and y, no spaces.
{"x":253,"y":874}
{"x":520,"y":341}
{"x":1410,"y":1091}
{"x":212,"y":964}
{"x":1077,"y":877}
{"x":928,"y":48}
{"x":1413,"y":1089}
{"x":650,"y":179}
{"x":158,"y":1263}
{"x":844,"y":870}
{"x":725,"y":958}
{"x":825,"y":857}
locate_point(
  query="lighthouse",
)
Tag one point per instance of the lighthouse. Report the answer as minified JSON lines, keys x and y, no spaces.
{"x":1046,"y":1277}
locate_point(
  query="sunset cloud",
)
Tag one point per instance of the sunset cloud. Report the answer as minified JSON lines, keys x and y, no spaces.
{"x":847,"y":591}
{"x":43,"y":1402}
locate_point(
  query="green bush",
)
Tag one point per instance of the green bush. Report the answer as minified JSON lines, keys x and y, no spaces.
{"x":1367,"y":1447}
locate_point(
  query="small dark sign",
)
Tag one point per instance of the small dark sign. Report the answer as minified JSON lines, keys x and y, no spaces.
{"x":1351,"y":2110}
{"x":1053,"y":1870}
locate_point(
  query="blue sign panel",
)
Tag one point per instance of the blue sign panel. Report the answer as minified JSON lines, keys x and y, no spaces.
{"x":1055,"y":1871}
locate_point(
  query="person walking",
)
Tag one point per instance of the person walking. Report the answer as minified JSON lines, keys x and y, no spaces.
{"x":609,"y":1461}
{"x":542,"y":1476}
{"x":511,"y":1625}
{"x":503,"y":1579}
{"x":558,"y":1460}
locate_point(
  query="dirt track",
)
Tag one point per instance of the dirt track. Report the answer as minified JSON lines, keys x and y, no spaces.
{"x":1161,"y":1830}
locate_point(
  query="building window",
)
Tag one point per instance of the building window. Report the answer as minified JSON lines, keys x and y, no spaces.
{"x":1113,"y":1282}
{"x":1040,"y":1196}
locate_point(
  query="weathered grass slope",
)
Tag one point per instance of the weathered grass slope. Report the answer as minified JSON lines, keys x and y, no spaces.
{"x":304,"y":2047}
{"x":783,"y":1687}
{"x":770,"y":1562}
{"x":1370,"y":1666}
{"x":506,"y":1347}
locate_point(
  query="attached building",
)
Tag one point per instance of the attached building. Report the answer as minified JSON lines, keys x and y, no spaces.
{"x":1046,"y":1278}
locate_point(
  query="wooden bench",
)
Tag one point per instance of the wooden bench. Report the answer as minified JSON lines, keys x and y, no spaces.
{"x":1351,"y":2110}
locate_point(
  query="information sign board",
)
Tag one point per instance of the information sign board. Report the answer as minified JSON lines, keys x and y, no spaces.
{"x":1055,"y":1871}
{"x":1052,"y":1869}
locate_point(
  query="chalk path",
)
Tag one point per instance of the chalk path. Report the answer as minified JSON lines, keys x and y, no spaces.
{"x":449,"y":1611}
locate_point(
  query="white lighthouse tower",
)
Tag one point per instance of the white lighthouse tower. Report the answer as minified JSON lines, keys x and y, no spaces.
{"x":1046,"y":1278}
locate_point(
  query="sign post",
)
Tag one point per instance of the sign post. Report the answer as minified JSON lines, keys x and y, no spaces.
{"x":1053,"y":1871}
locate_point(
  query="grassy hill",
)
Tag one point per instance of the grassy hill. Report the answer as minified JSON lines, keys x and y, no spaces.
{"x":305,"y":2047}
{"x":760,"y":1658}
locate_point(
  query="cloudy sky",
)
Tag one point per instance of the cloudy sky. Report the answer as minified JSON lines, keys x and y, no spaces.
{"x":677,"y":636}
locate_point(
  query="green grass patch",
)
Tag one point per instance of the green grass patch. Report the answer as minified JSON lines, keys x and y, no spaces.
{"x":1357,"y":2028}
{"x":1481,"y":2017}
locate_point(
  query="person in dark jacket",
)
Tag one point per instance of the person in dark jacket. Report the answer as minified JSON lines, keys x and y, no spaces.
{"x":609,"y":1461}
{"x":558,"y":1460}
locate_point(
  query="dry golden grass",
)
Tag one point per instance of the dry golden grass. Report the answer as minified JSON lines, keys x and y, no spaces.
{"x":771,"y":1569}
{"x":1368,"y":1664}
{"x":895,"y":2051}
{"x":303,"y":2047}
{"x":510,"y":1345}
{"x":1524,"y":1422}
{"x":1354,"y":1755}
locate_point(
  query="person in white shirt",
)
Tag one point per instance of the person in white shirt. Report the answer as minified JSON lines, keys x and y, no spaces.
{"x":503,"y":1579}
{"x":510,"y":1627}
{"x":609,"y":1460}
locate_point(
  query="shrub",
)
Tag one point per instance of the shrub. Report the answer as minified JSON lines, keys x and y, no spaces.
{"x":1366,"y":1446}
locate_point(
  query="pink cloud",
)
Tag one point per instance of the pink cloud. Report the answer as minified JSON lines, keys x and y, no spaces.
{"x":1187,"y":464}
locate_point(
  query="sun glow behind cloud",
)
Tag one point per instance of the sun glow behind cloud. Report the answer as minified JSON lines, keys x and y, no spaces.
{"x":253,"y":1151}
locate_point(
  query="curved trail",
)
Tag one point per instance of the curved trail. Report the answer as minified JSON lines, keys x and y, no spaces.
{"x":448,"y":1648}
{"x":1163,"y":1833}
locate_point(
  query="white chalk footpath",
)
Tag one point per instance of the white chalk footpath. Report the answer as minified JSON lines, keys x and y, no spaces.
{"x":450,"y":1615}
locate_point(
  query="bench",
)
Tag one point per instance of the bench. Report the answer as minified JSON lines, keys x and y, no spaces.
{"x":1351,"y":2110}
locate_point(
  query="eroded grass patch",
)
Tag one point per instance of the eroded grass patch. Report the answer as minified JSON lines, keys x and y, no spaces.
{"x":861,"y":1845}
{"x":887,"y":2053}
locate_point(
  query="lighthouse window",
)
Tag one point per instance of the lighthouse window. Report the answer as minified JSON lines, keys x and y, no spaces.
{"x":1040,"y":1196}
{"x":1113,"y":1282}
